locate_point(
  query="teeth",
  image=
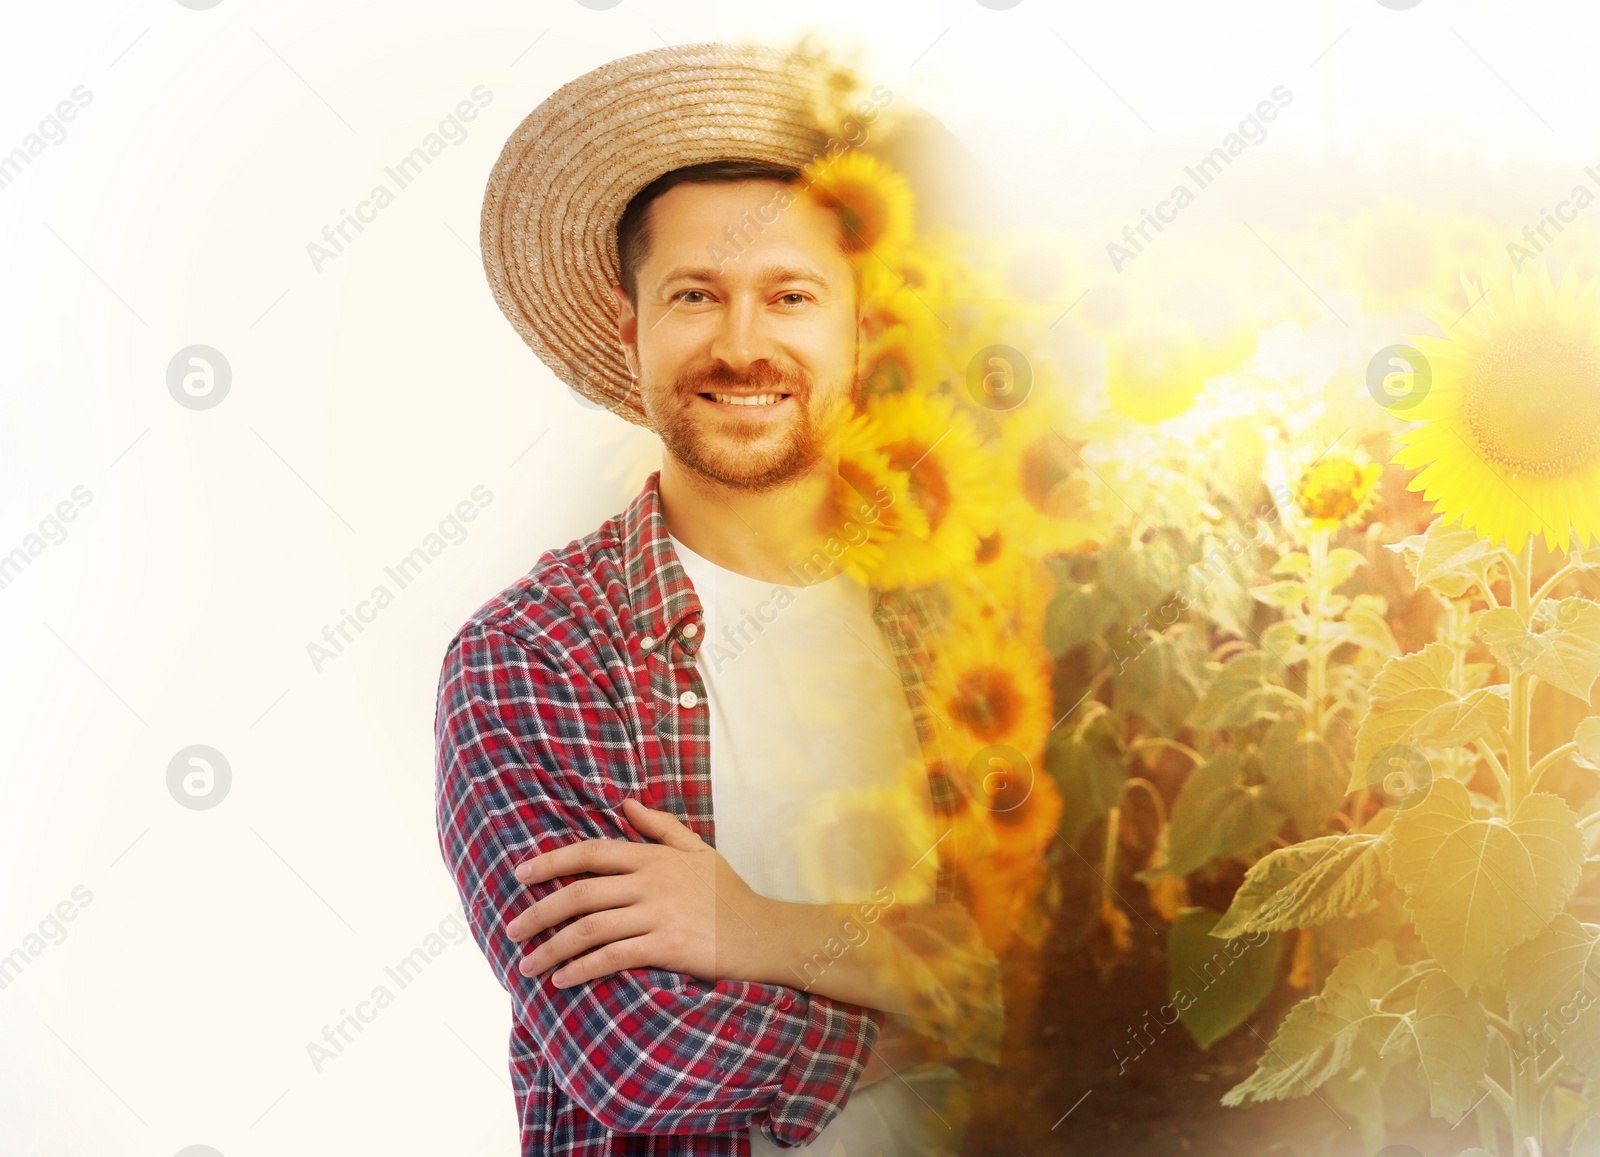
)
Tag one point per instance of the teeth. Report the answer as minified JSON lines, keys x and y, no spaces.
{"x":747,"y":400}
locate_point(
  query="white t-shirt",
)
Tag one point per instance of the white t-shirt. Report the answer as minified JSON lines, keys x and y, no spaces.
{"x":819,"y":793}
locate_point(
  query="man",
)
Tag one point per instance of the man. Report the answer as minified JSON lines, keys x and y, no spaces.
{"x":612,"y":787}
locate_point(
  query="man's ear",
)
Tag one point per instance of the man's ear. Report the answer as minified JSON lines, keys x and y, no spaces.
{"x":627,"y":328}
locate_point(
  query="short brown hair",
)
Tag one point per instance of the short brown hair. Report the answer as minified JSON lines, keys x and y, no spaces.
{"x":633,"y":229}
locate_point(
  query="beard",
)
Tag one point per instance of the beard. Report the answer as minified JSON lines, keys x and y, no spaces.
{"x":742,"y":454}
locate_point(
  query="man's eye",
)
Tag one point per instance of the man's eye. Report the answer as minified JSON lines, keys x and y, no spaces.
{"x":683,"y":294}
{"x":803,"y":298}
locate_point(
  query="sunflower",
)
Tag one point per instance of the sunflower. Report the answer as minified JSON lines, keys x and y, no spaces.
{"x":1156,"y":373}
{"x":873,"y":199}
{"x":1394,"y":256}
{"x":1337,"y":488}
{"x":1002,"y":897}
{"x":899,"y":359}
{"x":1052,"y":506}
{"x":1005,"y":887}
{"x":992,"y":690}
{"x":1025,"y":812}
{"x":1507,"y":434}
{"x":866,"y":508}
{"x":1003,"y":591}
{"x":850,"y":842}
{"x":909,"y":287}
{"x":949,"y":480}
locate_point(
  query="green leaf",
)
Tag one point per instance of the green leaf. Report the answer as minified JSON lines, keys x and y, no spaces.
{"x":1451,"y":1036}
{"x":1305,"y":779}
{"x":1282,"y":640}
{"x":1412,"y":705}
{"x":1176,"y":503}
{"x":1248,"y":687}
{"x":1139,"y":575}
{"x":1090,"y":772}
{"x":1078,"y":613}
{"x":1286,"y":595}
{"x":1358,"y":1094}
{"x":1341,"y":563}
{"x":1586,"y":558}
{"x":1586,"y":1143}
{"x":1588,"y":739}
{"x":1296,"y":564}
{"x":1215,"y":984}
{"x":1553,"y":988}
{"x":1477,"y":888}
{"x":1370,"y":628}
{"x":1218,"y":583}
{"x":1217,"y":815}
{"x":1322,"y":1034}
{"x":1449,"y":561}
{"x":1566,"y":654}
{"x":1158,"y":685}
{"x":1308,"y":884}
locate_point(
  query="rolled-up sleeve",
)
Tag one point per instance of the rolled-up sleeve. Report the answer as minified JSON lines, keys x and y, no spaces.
{"x":523,"y":749}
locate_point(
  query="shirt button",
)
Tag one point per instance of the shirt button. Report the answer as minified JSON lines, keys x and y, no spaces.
{"x":690,"y":631}
{"x":688,"y":699}
{"x":647,"y":642}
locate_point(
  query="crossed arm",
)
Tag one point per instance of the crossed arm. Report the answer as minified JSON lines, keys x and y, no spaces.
{"x":644,"y":1047}
{"x":677,"y":904}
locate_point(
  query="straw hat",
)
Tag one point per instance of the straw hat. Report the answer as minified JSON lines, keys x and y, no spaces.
{"x":564,"y":177}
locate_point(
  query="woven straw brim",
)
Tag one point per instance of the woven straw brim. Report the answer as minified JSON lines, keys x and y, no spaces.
{"x":563,"y":179}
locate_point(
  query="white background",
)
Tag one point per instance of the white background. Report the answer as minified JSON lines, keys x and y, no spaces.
{"x":370,"y":397}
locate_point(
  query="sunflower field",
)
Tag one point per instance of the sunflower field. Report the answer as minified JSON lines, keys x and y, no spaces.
{"x":1276,"y":634}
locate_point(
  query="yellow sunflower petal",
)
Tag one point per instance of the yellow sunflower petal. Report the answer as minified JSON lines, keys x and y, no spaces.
{"x":1506,"y":436}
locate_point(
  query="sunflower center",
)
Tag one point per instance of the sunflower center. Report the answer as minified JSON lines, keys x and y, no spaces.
{"x":1533,"y":403}
{"x":986,"y":702}
{"x":890,"y":374}
{"x":1333,"y":489}
{"x":930,"y":489}
{"x":1011,"y":799}
{"x":863,"y":213}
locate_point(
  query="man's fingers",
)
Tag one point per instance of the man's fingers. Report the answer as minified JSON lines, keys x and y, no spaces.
{"x":585,"y":856}
{"x":634,"y":952}
{"x":663,"y":827}
{"x":590,"y":894}
{"x":597,"y":931}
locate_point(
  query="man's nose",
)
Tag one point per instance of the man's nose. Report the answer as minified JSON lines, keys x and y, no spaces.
{"x":743,"y":337}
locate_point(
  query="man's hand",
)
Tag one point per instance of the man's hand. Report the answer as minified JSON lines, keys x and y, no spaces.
{"x":675,"y":904}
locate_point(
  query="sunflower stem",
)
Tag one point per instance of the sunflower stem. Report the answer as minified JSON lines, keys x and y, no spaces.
{"x":1552,"y":582}
{"x":1108,"y":860}
{"x":1149,"y":789}
{"x":1146,"y":741}
{"x":1497,"y":767}
{"x":1550,"y":761}
{"x":1527,"y":1095}
{"x":1316,"y":670}
{"x":1504,"y":1027}
{"x":1520,"y":771}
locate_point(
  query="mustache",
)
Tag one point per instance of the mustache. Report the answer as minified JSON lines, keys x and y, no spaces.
{"x":761,"y":377}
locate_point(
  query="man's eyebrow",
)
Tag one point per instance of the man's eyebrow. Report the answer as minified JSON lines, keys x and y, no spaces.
{"x":767,"y":274}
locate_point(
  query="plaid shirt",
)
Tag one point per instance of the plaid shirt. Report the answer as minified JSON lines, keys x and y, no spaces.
{"x":571,"y":690}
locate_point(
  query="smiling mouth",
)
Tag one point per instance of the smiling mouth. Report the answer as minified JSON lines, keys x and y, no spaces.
{"x":770,"y":399}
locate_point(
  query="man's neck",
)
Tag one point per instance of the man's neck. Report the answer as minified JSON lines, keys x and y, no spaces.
{"x":761,"y":534}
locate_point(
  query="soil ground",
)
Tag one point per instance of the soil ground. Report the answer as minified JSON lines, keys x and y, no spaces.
{"x":1062,"y":1091}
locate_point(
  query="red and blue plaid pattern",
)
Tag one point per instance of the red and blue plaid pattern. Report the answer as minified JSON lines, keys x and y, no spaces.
{"x":559,"y":698}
